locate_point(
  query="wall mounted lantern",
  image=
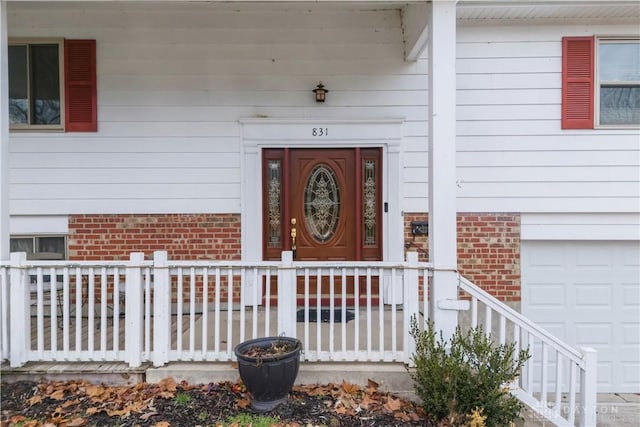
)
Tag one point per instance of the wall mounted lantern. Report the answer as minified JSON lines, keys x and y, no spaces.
{"x":320,"y":92}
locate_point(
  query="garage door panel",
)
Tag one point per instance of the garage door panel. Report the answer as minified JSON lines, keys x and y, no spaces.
{"x":630,"y":257}
{"x":594,"y":334}
{"x":552,"y":260}
{"x":605,"y":373}
{"x":557,"y":329}
{"x":631,"y":295}
{"x":631,"y":334}
{"x":587,"y":293}
{"x":590,"y":258}
{"x":630,"y":373}
{"x":593,"y":295}
{"x":543,"y":295}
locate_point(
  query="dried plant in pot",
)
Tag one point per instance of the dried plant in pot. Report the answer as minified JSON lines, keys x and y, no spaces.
{"x":268,"y":368}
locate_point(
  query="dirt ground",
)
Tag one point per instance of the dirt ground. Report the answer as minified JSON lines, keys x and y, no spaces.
{"x":78,"y":403}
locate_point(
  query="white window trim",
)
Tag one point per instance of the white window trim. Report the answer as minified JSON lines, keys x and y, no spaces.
{"x":47,"y":128}
{"x":597,"y":85}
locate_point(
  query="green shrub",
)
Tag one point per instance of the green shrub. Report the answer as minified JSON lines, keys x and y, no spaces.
{"x":468,"y":375}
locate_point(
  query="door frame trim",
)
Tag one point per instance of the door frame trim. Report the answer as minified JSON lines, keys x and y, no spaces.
{"x":256,"y":134}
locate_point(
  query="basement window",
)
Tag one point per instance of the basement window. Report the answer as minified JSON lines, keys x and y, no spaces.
{"x":52,"y":248}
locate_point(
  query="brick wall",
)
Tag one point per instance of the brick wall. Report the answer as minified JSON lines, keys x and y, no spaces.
{"x":183,"y":236}
{"x":488,"y":243}
{"x":488,"y":250}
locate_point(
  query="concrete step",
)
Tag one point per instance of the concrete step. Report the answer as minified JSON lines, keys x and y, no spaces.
{"x":110,"y":373}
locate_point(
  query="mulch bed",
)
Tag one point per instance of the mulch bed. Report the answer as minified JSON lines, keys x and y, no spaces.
{"x":78,"y":403}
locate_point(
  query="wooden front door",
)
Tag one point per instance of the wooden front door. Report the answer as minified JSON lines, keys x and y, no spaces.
{"x":322,"y":204}
{"x":330,"y":200}
{"x":331,"y":197}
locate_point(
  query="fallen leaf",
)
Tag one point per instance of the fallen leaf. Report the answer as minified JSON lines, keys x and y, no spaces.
{"x":76,"y":422}
{"x":35,"y":400}
{"x":243,"y":403}
{"x":167,"y":394}
{"x":367,"y":402}
{"x":57,"y":395}
{"x":350,"y":388}
{"x":162,"y":424}
{"x":371,"y":384}
{"x":392,"y":404}
{"x":92,"y":411}
{"x":70,"y":403}
{"x":341,"y":410}
{"x":145,"y":417}
{"x":94,"y":391}
{"x":167,"y":384}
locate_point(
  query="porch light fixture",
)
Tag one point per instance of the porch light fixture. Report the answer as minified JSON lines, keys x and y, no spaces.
{"x":320,"y":92}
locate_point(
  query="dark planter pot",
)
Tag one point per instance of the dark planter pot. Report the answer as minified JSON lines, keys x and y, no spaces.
{"x":269,"y":379}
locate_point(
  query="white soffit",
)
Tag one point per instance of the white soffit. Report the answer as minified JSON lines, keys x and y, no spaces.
{"x":470,"y":10}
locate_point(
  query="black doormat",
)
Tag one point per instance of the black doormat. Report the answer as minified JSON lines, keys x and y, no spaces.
{"x":325,"y":315}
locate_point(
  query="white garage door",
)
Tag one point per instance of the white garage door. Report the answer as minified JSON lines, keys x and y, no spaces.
{"x":588,"y":294}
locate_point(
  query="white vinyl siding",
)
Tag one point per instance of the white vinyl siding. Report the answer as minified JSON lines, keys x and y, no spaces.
{"x":512,"y":154}
{"x":175,"y":80}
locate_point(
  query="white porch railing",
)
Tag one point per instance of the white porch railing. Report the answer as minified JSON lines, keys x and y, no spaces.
{"x":159,"y":311}
{"x":555,"y":373}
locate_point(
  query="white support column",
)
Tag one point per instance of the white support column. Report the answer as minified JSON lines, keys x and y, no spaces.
{"x":4,"y":134}
{"x":134,"y":311}
{"x":442,"y":163}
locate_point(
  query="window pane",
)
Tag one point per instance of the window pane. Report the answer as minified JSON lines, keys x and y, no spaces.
{"x":619,"y":105}
{"x":45,"y":84}
{"x":51,"y":244}
{"x":619,"y":61}
{"x":275,"y":203}
{"x":21,"y":244}
{"x":322,"y":203}
{"x":18,"y":92}
{"x":369,"y":202}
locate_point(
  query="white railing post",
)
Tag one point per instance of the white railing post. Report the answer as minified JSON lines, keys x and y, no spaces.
{"x":589,"y":387}
{"x":287,"y":296}
{"x":410,"y":303}
{"x":134,"y":310}
{"x":161,"y":309}
{"x":19,"y":311}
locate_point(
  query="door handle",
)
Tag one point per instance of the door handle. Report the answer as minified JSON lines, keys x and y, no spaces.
{"x":294,"y":234}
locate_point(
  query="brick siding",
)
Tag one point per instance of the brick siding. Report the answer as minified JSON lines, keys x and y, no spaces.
{"x":183,"y":236}
{"x":488,"y":243}
{"x":488,"y":250}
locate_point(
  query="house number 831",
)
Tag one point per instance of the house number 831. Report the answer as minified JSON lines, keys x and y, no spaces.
{"x":320,"y":132}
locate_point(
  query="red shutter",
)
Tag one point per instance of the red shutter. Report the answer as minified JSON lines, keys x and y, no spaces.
{"x":577,"y":82}
{"x":81,"y":112}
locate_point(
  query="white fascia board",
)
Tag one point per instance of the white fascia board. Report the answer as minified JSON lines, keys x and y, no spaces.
{"x":580,"y":226}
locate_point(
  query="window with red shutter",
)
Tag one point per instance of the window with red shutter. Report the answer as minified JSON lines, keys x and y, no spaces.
{"x":81,"y":113}
{"x":577,"y":82}
{"x":38,"y":72}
